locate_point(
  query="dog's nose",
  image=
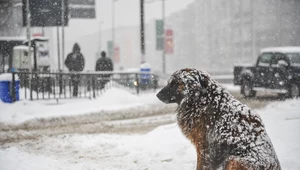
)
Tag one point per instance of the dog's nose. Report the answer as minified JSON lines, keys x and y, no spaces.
{"x":159,"y":95}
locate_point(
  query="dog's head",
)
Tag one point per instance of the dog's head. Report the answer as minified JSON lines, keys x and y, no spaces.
{"x":184,"y":83}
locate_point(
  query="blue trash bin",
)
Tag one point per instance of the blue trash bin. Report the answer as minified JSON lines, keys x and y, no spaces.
{"x":6,"y":89}
{"x":145,"y":78}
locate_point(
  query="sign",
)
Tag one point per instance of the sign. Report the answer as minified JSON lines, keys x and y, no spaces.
{"x":117,"y":55}
{"x":45,"y":13}
{"x":145,"y":78}
{"x":109,"y":49}
{"x":82,"y":9}
{"x":82,"y":13}
{"x":169,"y":44}
{"x":37,"y":35}
{"x":159,"y":34}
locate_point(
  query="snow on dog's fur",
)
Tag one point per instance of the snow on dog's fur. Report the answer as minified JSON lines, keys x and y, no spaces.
{"x":226,"y":133}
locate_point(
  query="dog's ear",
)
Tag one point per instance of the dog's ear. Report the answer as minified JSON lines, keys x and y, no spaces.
{"x":197,"y":82}
{"x":190,"y":78}
{"x":204,"y":80}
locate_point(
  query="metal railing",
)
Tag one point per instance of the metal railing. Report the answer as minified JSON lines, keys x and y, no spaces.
{"x":60,"y":85}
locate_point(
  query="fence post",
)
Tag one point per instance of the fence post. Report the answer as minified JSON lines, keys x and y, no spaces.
{"x":137,"y":83}
{"x":94,"y":86}
{"x":31,"y":84}
{"x":24,"y":79}
{"x":60,"y":81}
{"x":13,"y":88}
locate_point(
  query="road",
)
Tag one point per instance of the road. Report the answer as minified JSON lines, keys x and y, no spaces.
{"x":137,"y":120}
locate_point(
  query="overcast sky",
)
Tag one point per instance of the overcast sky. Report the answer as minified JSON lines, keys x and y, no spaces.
{"x":127,"y":13}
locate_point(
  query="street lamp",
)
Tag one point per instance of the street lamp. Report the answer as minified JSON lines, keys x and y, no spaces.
{"x":28,"y":25}
{"x":63,"y":32}
{"x":142,"y":32}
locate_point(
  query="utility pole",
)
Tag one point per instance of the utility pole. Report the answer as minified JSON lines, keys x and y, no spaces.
{"x":163,"y":37}
{"x":63,"y":31}
{"x":254,"y":30}
{"x":142,"y":32}
{"x":29,"y":45}
{"x":58,"y":48}
{"x":62,"y":44}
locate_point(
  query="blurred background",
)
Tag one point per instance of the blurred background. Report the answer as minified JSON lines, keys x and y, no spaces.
{"x":210,"y":35}
{"x":65,"y":104}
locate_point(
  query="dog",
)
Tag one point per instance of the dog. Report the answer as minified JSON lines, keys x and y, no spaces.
{"x":226,"y":133}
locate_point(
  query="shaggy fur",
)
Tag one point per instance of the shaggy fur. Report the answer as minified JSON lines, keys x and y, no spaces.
{"x":226,"y":133}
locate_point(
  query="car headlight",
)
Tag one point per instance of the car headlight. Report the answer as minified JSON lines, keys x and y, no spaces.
{"x":281,"y":83}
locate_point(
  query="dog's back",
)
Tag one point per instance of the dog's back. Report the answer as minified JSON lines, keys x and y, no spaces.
{"x":226,"y":133}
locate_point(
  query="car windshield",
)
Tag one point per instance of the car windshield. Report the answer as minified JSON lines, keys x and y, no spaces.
{"x":294,"y":58}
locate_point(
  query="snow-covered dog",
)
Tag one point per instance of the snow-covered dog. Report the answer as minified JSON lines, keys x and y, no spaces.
{"x":226,"y":133}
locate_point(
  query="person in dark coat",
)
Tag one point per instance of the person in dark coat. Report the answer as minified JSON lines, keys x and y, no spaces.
{"x":104,"y":64}
{"x":75,"y":63}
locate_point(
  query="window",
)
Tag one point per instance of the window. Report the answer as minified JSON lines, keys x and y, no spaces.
{"x":294,"y":58}
{"x":279,"y":59}
{"x":265,"y":60}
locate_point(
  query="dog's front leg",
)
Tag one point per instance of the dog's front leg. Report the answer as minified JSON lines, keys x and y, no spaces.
{"x":202,"y":164}
{"x":234,"y":165}
{"x":199,"y":160}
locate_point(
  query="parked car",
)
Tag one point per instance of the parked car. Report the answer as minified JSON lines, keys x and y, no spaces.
{"x":277,"y":70}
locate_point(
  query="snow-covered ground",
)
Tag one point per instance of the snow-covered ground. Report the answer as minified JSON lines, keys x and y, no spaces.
{"x":112,"y":99}
{"x":163,"y":148}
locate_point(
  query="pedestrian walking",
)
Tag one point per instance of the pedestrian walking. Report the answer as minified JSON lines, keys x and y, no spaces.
{"x":75,"y":63}
{"x":104,"y":64}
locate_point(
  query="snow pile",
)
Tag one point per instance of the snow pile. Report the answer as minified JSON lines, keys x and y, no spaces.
{"x":282,"y":121}
{"x":7,"y":77}
{"x":287,"y":49}
{"x":112,"y":99}
{"x":163,"y":148}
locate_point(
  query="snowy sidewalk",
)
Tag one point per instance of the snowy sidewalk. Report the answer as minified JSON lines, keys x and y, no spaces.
{"x":112,"y":100}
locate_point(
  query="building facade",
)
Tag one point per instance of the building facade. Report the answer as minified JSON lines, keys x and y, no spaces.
{"x":215,"y":34}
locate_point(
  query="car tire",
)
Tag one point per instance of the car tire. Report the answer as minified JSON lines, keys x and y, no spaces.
{"x":247,"y":89}
{"x":282,"y":96}
{"x":294,"y":91}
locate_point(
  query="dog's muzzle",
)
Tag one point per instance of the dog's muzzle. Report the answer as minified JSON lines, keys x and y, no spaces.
{"x":163,"y":97}
{"x":169,"y":95}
